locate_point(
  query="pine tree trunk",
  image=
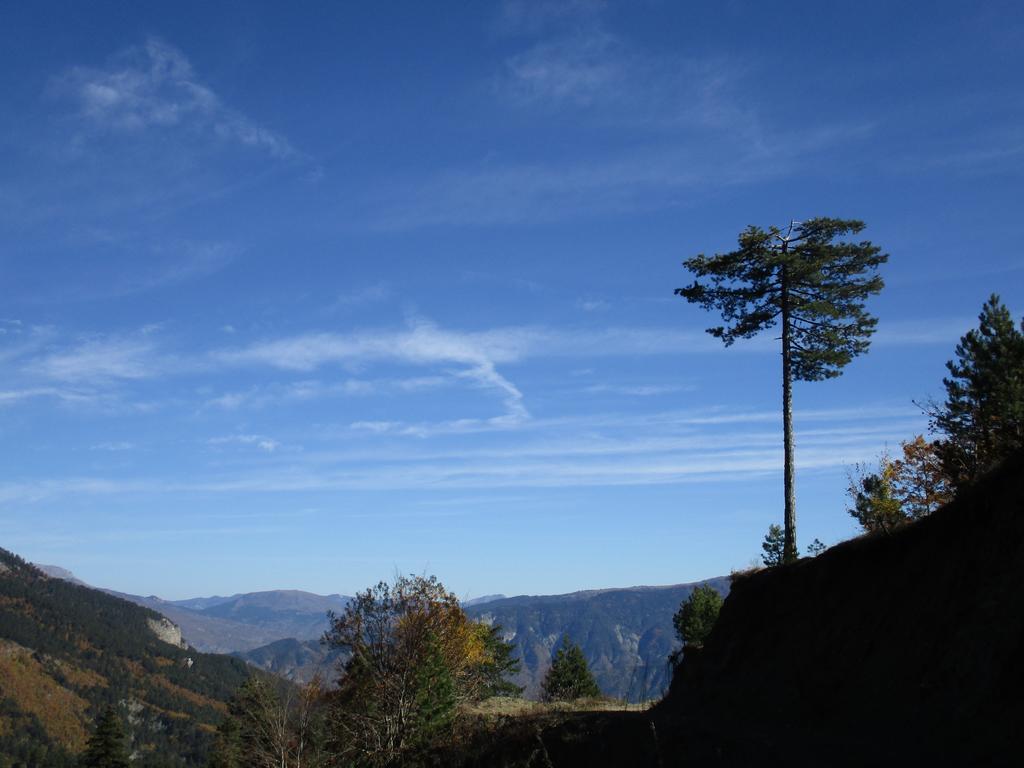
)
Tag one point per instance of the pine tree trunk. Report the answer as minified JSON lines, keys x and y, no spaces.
{"x":789,"y":482}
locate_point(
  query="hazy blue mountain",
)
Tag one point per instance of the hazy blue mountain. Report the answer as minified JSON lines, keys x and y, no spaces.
{"x":246,"y":621}
{"x":481,"y":600}
{"x":269,"y":607}
{"x":237,"y":623}
{"x":56,"y":572}
{"x":202,"y":603}
{"x":296,"y":660}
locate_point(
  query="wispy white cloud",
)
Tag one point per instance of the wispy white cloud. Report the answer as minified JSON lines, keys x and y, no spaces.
{"x":615,"y":82}
{"x":264,"y":443}
{"x":701,"y":131}
{"x":153,"y":86}
{"x":579,"y":69}
{"x":479,"y":353}
{"x":535,"y":16}
{"x":13,"y":396}
{"x":186,"y":262}
{"x":102,"y":359}
{"x":113,"y":446}
{"x":828,"y":440}
{"x":261,"y":396}
{"x":96,"y":371}
{"x":639,"y":390}
{"x":422,"y":344}
{"x":357,"y":297}
{"x":644,"y":421}
{"x":593,"y":305}
{"x":616,"y":182}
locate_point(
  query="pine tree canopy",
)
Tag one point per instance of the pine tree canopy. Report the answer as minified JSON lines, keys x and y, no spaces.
{"x":820,"y":284}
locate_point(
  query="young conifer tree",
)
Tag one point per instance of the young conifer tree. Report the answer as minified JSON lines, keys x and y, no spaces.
{"x":106,"y":746}
{"x":812,"y":285}
{"x":697,"y":615}
{"x":569,"y":676}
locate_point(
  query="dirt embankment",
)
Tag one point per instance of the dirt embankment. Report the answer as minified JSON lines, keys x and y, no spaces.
{"x":903,"y":649}
{"x":888,"y":649}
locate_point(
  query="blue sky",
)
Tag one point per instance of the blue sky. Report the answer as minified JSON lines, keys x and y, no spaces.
{"x":296,"y":296}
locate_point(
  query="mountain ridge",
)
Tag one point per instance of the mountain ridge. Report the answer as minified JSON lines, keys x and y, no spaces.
{"x":68,"y":651}
{"x":626,"y":632}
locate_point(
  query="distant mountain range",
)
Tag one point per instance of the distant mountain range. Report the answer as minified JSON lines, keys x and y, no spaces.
{"x":239,"y":622}
{"x":626,"y":634}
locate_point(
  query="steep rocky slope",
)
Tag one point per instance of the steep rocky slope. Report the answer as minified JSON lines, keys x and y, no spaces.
{"x":67,"y":651}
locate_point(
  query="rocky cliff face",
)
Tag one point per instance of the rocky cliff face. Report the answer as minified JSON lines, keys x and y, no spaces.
{"x":167,"y":631}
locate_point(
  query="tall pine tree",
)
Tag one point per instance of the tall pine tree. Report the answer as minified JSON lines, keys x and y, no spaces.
{"x":106,"y":746}
{"x":813,"y":288}
{"x":982,"y":420}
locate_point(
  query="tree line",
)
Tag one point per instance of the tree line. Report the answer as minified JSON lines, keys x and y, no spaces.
{"x":415,"y":662}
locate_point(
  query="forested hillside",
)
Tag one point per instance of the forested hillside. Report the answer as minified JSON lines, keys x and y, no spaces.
{"x":67,"y":652}
{"x":626,"y":634}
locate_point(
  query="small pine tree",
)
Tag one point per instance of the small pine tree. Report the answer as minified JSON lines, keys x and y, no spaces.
{"x":697,"y":615}
{"x":569,"y":676}
{"x":815,"y":548}
{"x":106,"y":746}
{"x":500,"y":664}
{"x":774,"y":546}
{"x":434,"y":711}
{"x":227,"y":747}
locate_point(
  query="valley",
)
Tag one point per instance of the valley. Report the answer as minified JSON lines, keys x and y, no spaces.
{"x":625,"y":633}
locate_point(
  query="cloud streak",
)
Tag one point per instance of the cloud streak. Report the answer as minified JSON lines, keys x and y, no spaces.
{"x":101,"y":360}
{"x":85,"y":370}
{"x":699,"y":133}
{"x":154,"y":87}
{"x":264,"y":443}
{"x":576,"y":458}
